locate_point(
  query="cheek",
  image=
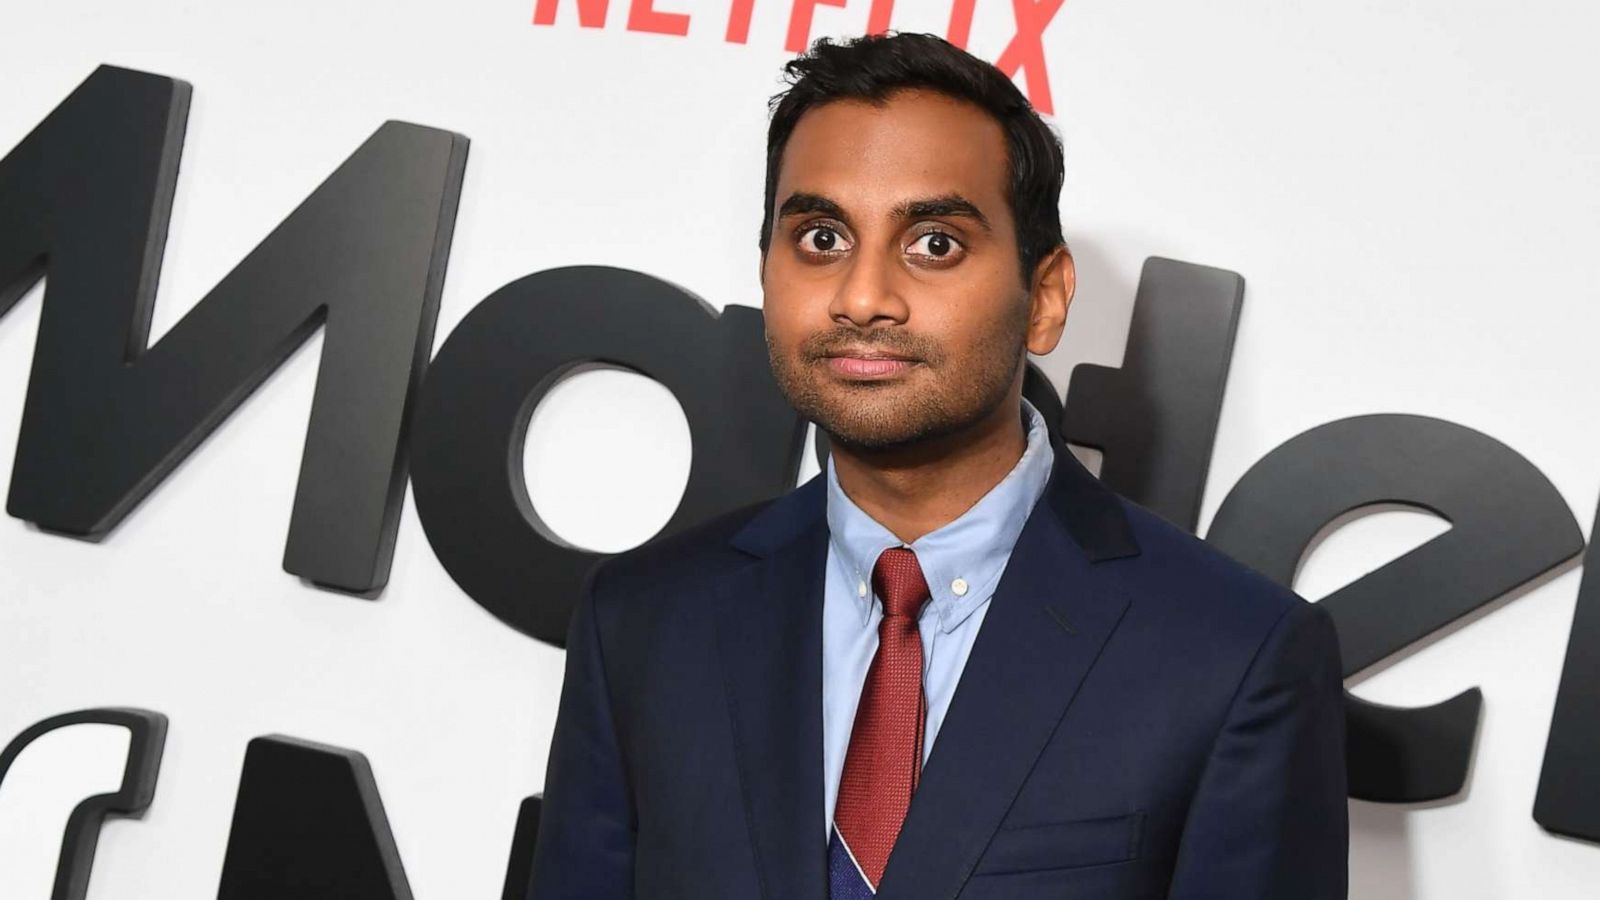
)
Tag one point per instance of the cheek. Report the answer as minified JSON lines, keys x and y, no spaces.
{"x":793,"y":310}
{"x":967,"y":329}
{"x":966,"y":339}
{"x":958,"y":309}
{"x":786,"y":319}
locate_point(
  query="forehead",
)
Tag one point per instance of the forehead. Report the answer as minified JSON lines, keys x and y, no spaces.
{"x":916,"y":144}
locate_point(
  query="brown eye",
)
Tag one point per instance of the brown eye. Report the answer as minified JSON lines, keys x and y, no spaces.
{"x":822,"y":239}
{"x":937,"y":245}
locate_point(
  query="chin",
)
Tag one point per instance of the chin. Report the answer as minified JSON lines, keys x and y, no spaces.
{"x":870,"y":427}
{"x":869,"y":441}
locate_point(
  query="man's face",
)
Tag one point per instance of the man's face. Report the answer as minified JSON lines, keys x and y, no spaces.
{"x":894,"y":308}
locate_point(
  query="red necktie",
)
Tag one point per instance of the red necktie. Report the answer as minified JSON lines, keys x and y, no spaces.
{"x":884,"y":760}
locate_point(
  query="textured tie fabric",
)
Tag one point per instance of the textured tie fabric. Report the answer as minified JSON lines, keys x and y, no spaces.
{"x":884,"y":760}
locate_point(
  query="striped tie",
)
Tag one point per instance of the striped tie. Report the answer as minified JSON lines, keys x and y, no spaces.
{"x":884,"y":760}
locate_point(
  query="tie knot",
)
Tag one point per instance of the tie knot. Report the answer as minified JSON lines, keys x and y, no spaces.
{"x":897,"y":579}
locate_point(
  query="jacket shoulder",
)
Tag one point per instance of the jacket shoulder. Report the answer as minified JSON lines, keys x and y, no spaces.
{"x":664,"y":565}
{"x":1207,"y":619}
{"x":1198,"y":587}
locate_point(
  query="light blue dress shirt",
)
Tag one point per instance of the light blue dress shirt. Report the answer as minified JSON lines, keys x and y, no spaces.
{"x":962,"y":562}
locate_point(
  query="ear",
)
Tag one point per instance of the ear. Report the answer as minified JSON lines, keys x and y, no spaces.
{"x":1055,"y":280}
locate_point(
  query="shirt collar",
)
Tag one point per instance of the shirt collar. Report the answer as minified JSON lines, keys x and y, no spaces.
{"x":967,"y":554}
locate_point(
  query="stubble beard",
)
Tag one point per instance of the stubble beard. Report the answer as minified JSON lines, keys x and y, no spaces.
{"x":876,"y":416}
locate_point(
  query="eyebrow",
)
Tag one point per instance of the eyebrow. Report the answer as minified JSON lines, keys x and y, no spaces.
{"x":801,"y":203}
{"x":947,"y":205}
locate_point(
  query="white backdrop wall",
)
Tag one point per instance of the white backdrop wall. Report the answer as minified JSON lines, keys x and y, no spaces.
{"x":1411,"y":189}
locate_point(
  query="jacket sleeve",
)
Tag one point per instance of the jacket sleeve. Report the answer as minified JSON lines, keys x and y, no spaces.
{"x":1270,"y":819}
{"x":585,"y":844}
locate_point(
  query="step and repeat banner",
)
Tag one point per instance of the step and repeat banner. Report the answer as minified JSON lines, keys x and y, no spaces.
{"x":339,"y":339}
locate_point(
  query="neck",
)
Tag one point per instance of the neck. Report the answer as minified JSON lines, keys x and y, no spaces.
{"x":918,"y":488}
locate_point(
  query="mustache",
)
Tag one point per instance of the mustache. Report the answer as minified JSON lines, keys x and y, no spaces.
{"x":837,"y":341}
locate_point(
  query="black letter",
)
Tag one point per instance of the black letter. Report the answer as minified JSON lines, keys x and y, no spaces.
{"x":472,"y":419}
{"x":1568,"y":801}
{"x":88,"y":194}
{"x":1156,"y":417}
{"x":519,"y":867}
{"x":309,"y":824}
{"x":147,"y":736}
{"x":1508,"y":526}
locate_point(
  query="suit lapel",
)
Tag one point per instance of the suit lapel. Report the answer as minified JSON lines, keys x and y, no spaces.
{"x":1051,"y":614}
{"x":770,"y":638}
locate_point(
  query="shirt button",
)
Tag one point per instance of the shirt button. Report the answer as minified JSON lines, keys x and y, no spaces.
{"x":861,"y":589}
{"x":959,"y":586}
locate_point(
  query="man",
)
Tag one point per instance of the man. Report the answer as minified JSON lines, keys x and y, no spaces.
{"x":953,"y":665}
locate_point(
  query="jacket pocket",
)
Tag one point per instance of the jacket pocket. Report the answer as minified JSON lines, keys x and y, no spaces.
{"x":1061,"y":845}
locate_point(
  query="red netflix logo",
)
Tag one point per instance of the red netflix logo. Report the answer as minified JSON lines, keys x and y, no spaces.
{"x":1024,"y":53}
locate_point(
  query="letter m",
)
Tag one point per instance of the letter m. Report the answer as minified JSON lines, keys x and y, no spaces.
{"x":86,"y":198}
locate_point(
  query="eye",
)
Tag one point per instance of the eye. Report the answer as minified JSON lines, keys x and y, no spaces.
{"x":936,"y":245}
{"x":822,"y":239}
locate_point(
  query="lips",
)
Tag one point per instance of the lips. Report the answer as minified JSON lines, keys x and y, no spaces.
{"x":867,"y":365}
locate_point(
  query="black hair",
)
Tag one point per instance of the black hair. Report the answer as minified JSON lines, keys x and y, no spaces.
{"x":873,"y":67}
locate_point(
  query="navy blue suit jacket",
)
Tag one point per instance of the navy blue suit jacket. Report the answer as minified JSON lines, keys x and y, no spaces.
{"x":1140,"y":717}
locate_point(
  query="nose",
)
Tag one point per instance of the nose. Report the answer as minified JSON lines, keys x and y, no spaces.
{"x":867,"y":294}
